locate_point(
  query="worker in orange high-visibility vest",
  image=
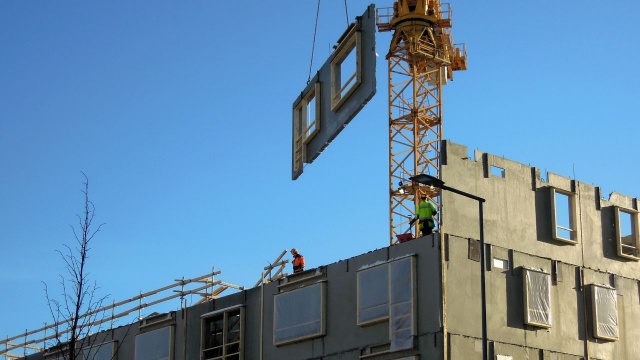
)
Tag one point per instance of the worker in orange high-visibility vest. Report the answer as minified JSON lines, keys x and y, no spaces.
{"x":298,"y":261}
{"x":425,"y":211}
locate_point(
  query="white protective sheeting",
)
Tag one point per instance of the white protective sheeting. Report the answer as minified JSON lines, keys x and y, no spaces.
{"x":401,"y":319}
{"x":154,"y":345}
{"x":299,"y":314}
{"x":373,"y":294}
{"x":537,"y":298}
{"x":605,"y":303}
{"x":386,"y":291}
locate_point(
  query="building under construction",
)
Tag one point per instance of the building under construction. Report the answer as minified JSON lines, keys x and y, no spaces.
{"x":561,"y":280}
{"x":522,"y":265}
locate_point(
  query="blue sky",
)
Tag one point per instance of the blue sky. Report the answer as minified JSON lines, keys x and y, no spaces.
{"x":180,"y":115}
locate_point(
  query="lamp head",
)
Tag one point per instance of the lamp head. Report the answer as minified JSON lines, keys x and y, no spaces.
{"x":428,"y":180}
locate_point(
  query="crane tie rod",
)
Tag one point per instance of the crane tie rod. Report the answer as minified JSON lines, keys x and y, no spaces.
{"x":313,"y":46}
{"x":346,"y":12}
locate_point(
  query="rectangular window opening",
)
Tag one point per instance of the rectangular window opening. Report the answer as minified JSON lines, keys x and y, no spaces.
{"x":306,"y":125}
{"x":222,"y":334}
{"x":348,"y":70}
{"x":104,"y":351}
{"x":346,"y":74}
{"x":501,"y":264}
{"x":563,"y":216}
{"x":497,"y":171}
{"x":373,"y":295}
{"x":155,"y":345}
{"x":627,"y":240}
{"x":537,"y":298}
{"x":311,"y":118}
{"x":386,"y":292}
{"x":604,"y":307}
{"x":299,"y":314}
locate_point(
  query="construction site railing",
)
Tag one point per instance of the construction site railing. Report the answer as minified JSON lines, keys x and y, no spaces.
{"x":29,"y":340}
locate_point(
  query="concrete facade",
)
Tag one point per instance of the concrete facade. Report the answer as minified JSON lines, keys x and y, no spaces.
{"x":421,"y":299}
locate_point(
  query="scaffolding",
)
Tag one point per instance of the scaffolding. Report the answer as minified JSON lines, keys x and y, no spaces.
{"x":206,"y":286}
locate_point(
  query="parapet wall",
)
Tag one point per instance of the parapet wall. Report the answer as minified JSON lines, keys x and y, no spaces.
{"x":519,"y":211}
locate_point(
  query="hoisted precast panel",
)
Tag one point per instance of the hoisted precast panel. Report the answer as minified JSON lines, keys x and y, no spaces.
{"x":422,"y":57}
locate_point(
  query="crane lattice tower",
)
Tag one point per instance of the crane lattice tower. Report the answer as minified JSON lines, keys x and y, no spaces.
{"x":422,"y":57}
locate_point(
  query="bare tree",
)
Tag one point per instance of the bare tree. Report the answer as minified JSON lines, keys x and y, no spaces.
{"x":78,"y":309}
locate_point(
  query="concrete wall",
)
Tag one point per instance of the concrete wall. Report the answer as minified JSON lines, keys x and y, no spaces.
{"x":344,"y":339}
{"x":518,"y":232}
{"x":447,"y":306}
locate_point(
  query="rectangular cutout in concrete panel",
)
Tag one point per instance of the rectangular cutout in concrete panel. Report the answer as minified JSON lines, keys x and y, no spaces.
{"x":474,"y":250}
{"x":223,"y":334}
{"x":604,"y":310}
{"x":155,"y":345}
{"x":537,"y":298}
{"x":501,"y":264}
{"x":104,"y":351}
{"x":373,"y":295}
{"x":556,"y":270}
{"x":563,"y":216}
{"x":401,"y":304}
{"x":627,"y":238}
{"x":497,"y":171}
{"x":342,"y":87}
{"x":299,"y":314}
{"x":387,"y":292}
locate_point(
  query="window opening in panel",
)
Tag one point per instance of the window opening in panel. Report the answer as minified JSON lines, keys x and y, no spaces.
{"x":604,"y":307}
{"x":311,"y":118}
{"x":345,"y":69}
{"x":386,"y":292}
{"x":563,"y":216}
{"x":537,"y":297}
{"x":154,"y":345}
{"x":306,"y":125}
{"x":627,"y":233}
{"x":373,"y":295}
{"x":348,"y":70}
{"x":222,"y":335}
{"x":104,"y":351}
{"x":299,"y":314}
{"x":497,"y":171}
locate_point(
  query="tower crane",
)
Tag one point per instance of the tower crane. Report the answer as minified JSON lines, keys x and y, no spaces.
{"x":422,"y":57}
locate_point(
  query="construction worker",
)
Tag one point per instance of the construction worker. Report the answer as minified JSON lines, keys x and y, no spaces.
{"x":298,"y":261}
{"x":424,"y":214}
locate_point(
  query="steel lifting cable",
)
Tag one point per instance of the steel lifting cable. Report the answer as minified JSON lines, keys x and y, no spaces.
{"x":346,"y":12}
{"x":313,"y":46}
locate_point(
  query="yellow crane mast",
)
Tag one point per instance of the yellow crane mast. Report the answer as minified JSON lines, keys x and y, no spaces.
{"x":422,"y":57}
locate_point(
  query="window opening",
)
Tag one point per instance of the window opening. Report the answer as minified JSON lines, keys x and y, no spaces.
{"x":497,"y":171}
{"x":501,"y":264}
{"x":387,"y":292}
{"x":401,"y":319}
{"x":373,"y":295}
{"x":346,"y":74}
{"x":100,"y":352}
{"x":504,"y":357}
{"x":537,"y":297}
{"x":604,"y":304}
{"x":627,"y":233}
{"x":155,"y":345}
{"x":311,"y":118}
{"x":306,"y":125}
{"x":299,"y":314}
{"x":222,"y":335}
{"x":563,"y":216}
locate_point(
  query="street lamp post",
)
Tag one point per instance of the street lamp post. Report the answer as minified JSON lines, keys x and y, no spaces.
{"x":435,"y":182}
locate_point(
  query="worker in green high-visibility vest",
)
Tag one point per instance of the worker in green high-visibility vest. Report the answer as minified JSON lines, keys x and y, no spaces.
{"x":425,"y":211}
